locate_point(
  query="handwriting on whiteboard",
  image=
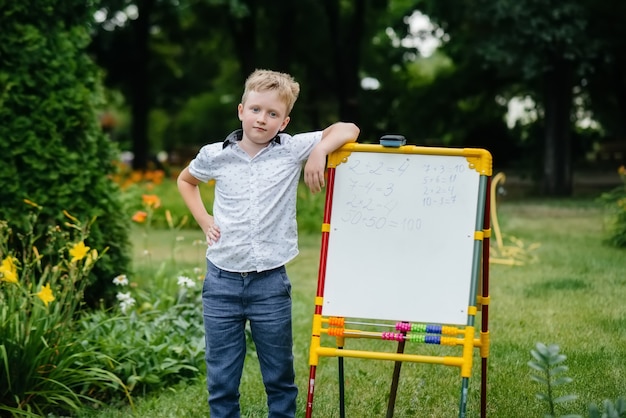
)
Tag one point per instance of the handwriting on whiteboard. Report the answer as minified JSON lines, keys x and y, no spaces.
{"x":376,"y":193}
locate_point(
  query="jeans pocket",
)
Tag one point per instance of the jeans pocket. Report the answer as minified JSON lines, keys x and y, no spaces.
{"x":286,"y":282}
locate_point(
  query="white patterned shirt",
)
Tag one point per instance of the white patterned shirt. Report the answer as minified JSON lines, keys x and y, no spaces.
{"x":255,"y":199}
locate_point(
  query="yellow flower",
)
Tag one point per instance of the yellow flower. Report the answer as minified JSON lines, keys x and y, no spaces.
{"x":79,"y":251}
{"x":168,"y":218}
{"x":36,"y":252}
{"x":622,"y":170}
{"x":8,"y":270}
{"x":91,"y":258}
{"x":45,"y":294}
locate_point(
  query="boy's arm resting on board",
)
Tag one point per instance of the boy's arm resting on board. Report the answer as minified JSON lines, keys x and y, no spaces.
{"x":188,"y":188}
{"x":333,"y":137}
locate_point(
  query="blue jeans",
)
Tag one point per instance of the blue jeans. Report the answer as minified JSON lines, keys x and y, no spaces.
{"x":264,"y":299}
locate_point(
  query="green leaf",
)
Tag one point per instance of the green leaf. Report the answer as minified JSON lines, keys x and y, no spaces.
{"x":565,"y":398}
{"x":542,"y":396}
{"x":562,"y":381}
{"x":539,"y":366}
{"x":559,"y":369}
{"x":539,"y":379}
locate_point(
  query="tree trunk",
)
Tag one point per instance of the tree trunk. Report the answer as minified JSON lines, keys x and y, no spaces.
{"x":619,"y":83}
{"x":346,"y":56}
{"x":244,"y":33}
{"x":557,"y":163}
{"x":140,"y":86}
{"x":285,"y":34}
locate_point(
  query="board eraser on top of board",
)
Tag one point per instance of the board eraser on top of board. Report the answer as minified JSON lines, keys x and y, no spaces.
{"x":392,"y":141}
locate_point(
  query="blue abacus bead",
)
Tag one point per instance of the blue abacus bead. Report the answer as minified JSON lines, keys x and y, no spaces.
{"x":433,"y":329}
{"x":432,"y":339}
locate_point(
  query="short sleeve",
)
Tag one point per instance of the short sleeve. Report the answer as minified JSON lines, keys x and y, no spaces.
{"x":201,"y":166}
{"x":302,"y":144}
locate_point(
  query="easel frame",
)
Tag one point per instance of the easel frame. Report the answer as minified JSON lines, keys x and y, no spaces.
{"x":480,"y":160}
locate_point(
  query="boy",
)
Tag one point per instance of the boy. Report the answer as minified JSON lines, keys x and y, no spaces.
{"x":252,"y":235}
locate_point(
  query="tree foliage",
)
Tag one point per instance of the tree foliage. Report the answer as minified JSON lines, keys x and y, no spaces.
{"x":545,"y":50}
{"x":330,"y":46}
{"x":210,"y":47}
{"x":195,"y":55}
{"x":54,"y":152}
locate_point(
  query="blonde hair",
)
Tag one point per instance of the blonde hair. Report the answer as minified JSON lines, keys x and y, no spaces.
{"x":267,"y":80}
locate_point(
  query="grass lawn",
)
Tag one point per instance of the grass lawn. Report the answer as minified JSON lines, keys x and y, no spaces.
{"x":571,"y":291}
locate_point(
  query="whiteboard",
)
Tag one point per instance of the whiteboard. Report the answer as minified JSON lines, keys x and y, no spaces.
{"x":401,"y":238}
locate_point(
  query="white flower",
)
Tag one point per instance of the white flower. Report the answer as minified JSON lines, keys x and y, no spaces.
{"x":126,"y":304}
{"x":123,"y":296}
{"x":184,"y":281}
{"x":126,"y":301}
{"x":120,"y":280}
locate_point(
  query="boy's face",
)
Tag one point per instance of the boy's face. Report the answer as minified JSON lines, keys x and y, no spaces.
{"x":262,"y":116}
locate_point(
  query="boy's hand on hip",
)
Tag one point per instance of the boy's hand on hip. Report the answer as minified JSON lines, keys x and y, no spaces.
{"x":212,"y":234}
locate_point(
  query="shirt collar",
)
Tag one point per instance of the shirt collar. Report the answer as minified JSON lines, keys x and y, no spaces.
{"x":237,"y":135}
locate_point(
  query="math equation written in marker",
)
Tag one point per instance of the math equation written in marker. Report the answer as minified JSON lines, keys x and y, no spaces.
{"x":398,"y":191}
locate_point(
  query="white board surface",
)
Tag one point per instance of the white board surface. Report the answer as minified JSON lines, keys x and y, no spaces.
{"x":401,"y":238}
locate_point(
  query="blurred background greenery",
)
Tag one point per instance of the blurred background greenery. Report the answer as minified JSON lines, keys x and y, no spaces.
{"x":542,"y":85}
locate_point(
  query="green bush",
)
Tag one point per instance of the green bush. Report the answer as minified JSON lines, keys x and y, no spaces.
{"x":155,"y":332}
{"x":54,"y":151}
{"x":155,"y":343}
